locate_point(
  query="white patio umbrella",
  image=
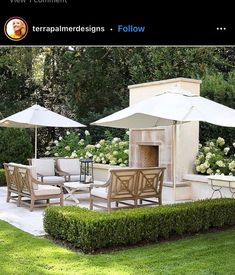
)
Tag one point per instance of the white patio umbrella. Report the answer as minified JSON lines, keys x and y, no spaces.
{"x":37,"y":116}
{"x":171,"y":107}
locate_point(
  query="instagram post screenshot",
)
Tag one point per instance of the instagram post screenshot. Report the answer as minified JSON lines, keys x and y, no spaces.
{"x":117,"y":139}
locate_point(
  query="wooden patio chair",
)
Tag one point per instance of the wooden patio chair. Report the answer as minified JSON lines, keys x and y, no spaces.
{"x":36,"y":191}
{"x":45,"y":169}
{"x":68,"y":168}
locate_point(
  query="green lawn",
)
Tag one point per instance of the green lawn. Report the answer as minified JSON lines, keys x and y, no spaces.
{"x":212,"y":253}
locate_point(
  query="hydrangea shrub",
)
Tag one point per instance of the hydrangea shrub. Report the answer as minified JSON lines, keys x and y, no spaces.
{"x":216,"y":158}
{"x":112,"y":151}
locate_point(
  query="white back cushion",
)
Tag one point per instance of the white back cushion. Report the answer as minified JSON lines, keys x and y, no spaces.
{"x":45,"y":167}
{"x":71,"y":166}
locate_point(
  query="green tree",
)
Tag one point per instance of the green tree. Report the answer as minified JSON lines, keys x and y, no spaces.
{"x":15,"y":145}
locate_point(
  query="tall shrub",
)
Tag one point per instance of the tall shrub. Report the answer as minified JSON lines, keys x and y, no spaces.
{"x":15,"y":145}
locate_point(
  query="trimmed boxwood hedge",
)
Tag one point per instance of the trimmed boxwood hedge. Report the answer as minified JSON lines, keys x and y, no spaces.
{"x":90,"y":230}
{"x":2,"y":178}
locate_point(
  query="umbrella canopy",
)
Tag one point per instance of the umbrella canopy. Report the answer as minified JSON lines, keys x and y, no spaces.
{"x":171,"y":107}
{"x":37,"y":116}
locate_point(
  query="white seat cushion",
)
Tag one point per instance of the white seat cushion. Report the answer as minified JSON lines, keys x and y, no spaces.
{"x":52,"y":179}
{"x":73,"y":178}
{"x":47,"y":190}
{"x":103,"y":193}
{"x":100,"y":192}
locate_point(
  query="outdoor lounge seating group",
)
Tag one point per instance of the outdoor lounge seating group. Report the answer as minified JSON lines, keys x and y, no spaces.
{"x":45,"y":181}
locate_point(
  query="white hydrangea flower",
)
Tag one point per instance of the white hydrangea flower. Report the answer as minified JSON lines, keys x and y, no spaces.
{"x":128,"y":133}
{"x":67,"y":133}
{"x":116,"y":139}
{"x":90,"y":147}
{"x":206,"y":149}
{"x":220,"y":141}
{"x":67,"y":148}
{"x":209,"y":171}
{"x":56,"y":142}
{"x":48,"y":148}
{"x":226,"y":150}
{"x":234,"y":144}
{"x":56,"y":154}
{"x":115,"y":153}
{"x":206,"y":164}
{"x":47,"y":153}
{"x":88,"y":155}
{"x":231,"y":166}
{"x":97,"y":145}
{"x":102,"y":141}
{"x":126,"y":151}
{"x":208,"y":155}
{"x":74,"y":155}
{"x":220,"y":163}
{"x":87,"y":133}
{"x":81,"y":142}
{"x":60,"y":138}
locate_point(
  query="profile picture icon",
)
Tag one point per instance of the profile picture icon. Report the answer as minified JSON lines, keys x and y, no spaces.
{"x":16,"y":28}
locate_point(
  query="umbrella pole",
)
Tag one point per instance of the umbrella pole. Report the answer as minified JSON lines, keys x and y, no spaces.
{"x":35,"y":142}
{"x":174,"y":159}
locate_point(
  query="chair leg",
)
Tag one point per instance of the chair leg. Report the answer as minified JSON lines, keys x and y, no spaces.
{"x":91,"y":203}
{"x":8,"y":195}
{"x":116,"y":203}
{"x":31,"y":205}
{"x":160,"y":200}
{"x":19,"y":201}
{"x":61,"y":201}
{"x":109,"y":206}
{"x":135,"y":203}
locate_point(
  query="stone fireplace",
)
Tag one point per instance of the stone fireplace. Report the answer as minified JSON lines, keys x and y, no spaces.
{"x":153,"y":146}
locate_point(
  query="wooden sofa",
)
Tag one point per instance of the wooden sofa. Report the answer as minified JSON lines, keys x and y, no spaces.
{"x":26,"y":185}
{"x":130,"y":184}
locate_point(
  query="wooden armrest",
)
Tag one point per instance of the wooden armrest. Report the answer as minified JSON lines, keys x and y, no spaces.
{"x":101,"y":185}
{"x":66,"y":175}
{"x":62,"y":173}
{"x":41,"y":176}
